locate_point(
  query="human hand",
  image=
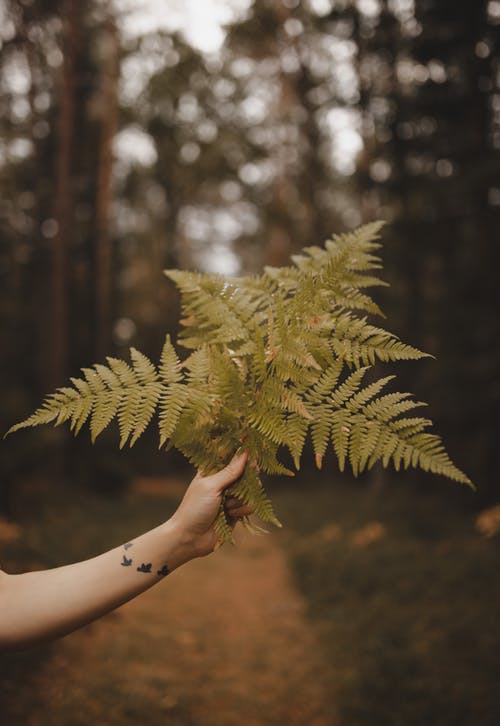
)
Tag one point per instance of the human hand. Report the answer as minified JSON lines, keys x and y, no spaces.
{"x":196,"y":514}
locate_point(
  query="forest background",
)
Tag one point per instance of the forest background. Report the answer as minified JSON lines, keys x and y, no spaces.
{"x":224,"y":136}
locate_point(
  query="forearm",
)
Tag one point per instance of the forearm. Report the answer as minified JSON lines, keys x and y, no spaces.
{"x":38,"y":606}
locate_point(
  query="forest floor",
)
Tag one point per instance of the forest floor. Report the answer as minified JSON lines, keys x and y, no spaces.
{"x":373,"y":606}
{"x":224,"y":640}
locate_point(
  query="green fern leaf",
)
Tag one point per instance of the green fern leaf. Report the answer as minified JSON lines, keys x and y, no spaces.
{"x":104,"y":410}
{"x":349,"y":387}
{"x":170,"y":365}
{"x":297,"y":428}
{"x":320,"y":432}
{"x":341,"y":429}
{"x":272,"y":358}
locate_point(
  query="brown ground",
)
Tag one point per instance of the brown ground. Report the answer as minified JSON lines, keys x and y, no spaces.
{"x":223,"y":641}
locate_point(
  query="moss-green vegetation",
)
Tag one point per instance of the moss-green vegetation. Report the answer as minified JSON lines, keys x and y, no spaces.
{"x":406,"y":592}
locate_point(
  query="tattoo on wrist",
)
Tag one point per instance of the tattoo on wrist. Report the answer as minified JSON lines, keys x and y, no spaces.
{"x":146,"y":568}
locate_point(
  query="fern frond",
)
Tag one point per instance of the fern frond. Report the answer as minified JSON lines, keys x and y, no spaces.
{"x":272,"y":358}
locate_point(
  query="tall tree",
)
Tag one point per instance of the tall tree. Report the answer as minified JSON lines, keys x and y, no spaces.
{"x":108,"y":122}
{"x":64,"y":192}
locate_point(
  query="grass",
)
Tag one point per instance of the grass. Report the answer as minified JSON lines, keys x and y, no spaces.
{"x":408,"y":607}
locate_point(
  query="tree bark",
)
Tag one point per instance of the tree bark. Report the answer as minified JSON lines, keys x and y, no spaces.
{"x":64,"y":200}
{"x":108,"y":108}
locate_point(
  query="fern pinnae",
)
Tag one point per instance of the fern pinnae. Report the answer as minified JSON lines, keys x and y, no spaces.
{"x":349,"y":387}
{"x":390,"y":443}
{"x":368,"y":444}
{"x":360,"y":399}
{"x":340,"y":430}
{"x":81,"y":408}
{"x":222,"y":527}
{"x":357,"y":341}
{"x":267,"y":460}
{"x":172,"y":402}
{"x":320,"y":432}
{"x":250,"y":490}
{"x":297,"y":428}
{"x":127,"y":414}
{"x":45,"y":414}
{"x":271,"y":423}
{"x":146,"y":408}
{"x":293,"y":403}
{"x":389,"y":406}
{"x":104,"y":410}
{"x":325,"y":383}
{"x":170,"y":369}
{"x":144,"y":370}
{"x":94,"y":381}
{"x":357,"y":434}
{"x":410,"y":425}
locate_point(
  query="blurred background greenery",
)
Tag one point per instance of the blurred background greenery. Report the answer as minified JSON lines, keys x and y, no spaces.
{"x":224,"y":135}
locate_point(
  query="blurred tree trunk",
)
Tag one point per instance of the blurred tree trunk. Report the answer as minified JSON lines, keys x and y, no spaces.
{"x":64,"y":199}
{"x":108,"y":112}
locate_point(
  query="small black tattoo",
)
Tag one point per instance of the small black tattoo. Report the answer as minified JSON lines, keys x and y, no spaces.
{"x":128,"y":545}
{"x":126,"y":562}
{"x":145,"y":568}
{"x":164,"y":571}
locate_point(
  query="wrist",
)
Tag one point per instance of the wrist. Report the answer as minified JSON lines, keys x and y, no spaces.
{"x":181,"y":546}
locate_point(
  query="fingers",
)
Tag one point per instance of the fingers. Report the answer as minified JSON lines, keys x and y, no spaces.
{"x":231,"y":502}
{"x":243,"y":510}
{"x":230,"y":473}
{"x":236,"y":509}
{"x":234,"y":505}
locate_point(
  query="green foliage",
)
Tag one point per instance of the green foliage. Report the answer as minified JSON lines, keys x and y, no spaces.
{"x":274,"y":357}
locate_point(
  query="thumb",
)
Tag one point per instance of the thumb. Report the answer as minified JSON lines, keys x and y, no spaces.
{"x":230,"y":473}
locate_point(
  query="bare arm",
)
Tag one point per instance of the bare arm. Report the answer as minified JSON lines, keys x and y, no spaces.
{"x":39,"y":606}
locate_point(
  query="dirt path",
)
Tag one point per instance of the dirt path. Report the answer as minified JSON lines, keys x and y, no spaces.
{"x":222,"y":641}
{"x":244,"y":639}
